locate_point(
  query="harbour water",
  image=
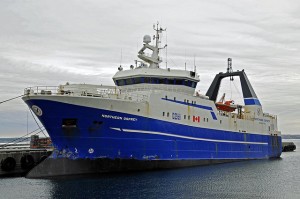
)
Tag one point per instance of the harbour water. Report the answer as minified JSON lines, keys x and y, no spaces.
{"x":278,"y":178}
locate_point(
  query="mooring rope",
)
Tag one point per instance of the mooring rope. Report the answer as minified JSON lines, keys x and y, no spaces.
{"x":15,"y":141}
{"x":11,"y":99}
{"x":37,"y":122}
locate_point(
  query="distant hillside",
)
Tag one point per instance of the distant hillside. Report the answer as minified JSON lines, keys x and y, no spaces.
{"x":290,"y":136}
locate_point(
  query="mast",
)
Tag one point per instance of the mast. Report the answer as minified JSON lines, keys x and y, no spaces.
{"x":154,"y":60}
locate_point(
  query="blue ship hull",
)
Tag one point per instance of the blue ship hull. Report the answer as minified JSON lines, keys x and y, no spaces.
{"x":101,"y":144}
{"x":145,"y":139}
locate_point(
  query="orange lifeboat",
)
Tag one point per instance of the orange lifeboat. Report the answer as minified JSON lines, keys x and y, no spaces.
{"x":228,"y":106}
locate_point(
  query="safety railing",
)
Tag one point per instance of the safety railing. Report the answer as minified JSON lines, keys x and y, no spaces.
{"x":270,"y":116}
{"x":87,"y":90}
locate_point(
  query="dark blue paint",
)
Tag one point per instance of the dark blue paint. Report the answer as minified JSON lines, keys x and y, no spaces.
{"x":252,"y":102}
{"x":213,"y":115}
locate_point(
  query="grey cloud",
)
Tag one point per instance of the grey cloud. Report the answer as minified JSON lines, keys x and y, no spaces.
{"x":52,"y":42}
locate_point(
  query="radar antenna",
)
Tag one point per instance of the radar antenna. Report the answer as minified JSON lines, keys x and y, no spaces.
{"x":154,"y":60}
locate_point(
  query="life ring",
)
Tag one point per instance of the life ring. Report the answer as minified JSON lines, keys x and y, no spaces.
{"x":27,"y":162}
{"x":8,"y":164}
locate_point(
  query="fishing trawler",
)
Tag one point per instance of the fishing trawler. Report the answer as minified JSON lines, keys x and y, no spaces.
{"x":151,"y":119}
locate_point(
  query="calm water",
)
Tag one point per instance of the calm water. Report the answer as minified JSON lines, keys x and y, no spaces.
{"x":251,"y":179}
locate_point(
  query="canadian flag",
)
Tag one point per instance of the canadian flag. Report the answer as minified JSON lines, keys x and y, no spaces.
{"x":196,"y":119}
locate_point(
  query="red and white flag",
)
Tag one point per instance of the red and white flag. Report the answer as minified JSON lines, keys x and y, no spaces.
{"x":196,"y":119}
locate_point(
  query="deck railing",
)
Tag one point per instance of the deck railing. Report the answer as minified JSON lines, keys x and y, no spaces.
{"x":87,"y":90}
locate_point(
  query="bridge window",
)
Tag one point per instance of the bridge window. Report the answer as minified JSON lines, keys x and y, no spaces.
{"x":186,"y":82}
{"x":152,"y":80}
{"x":193,"y":84}
{"x":146,"y":79}
{"x":138,"y":80}
{"x":121,"y":82}
{"x":129,"y":81}
{"x":178,"y":81}
{"x":161,"y":81}
{"x":171,"y":81}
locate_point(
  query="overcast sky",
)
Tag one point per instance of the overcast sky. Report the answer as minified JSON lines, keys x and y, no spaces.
{"x":51,"y":42}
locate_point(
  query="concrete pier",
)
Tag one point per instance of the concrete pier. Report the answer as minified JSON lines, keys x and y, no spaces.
{"x":18,"y":161}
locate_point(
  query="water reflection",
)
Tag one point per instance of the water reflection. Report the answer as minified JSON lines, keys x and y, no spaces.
{"x":278,"y":178}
